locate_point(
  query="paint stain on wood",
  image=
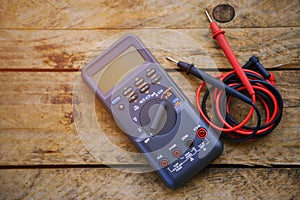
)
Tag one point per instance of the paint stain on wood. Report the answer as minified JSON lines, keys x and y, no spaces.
{"x":46,"y":47}
{"x":62,"y":99}
{"x":69,"y":118}
{"x":64,"y":95}
{"x":60,"y":60}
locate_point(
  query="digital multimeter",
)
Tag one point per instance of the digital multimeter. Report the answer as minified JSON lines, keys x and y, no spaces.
{"x":150,"y":108}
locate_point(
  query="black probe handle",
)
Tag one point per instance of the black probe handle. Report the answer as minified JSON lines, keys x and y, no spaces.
{"x":190,"y":69}
{"x":254,"y":61}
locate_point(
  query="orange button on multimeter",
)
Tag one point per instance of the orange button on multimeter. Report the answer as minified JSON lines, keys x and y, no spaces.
{"x":151,"y":110}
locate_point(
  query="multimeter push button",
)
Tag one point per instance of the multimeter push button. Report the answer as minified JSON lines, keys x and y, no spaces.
{"x":121,"y":106}
{"x":127,"y":91}
{"x":139,"y":82}
{"x":116,"y":100}
{"x":133,"y":97}
{"x":145,"y":88}
{"x":155,"y":79}
{"x":150,"y":72}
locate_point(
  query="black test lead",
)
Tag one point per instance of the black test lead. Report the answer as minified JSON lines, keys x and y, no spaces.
{"x":191,"y":69}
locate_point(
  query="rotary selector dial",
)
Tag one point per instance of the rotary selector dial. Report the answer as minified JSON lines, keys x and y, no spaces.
{"x":157,"y":117}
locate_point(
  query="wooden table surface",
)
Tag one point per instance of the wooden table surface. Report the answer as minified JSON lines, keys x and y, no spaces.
{"x":43,"y":46}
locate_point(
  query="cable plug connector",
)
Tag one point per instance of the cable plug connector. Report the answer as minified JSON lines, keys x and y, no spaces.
{"x":254,"y":61}
{"x":272,"y":78}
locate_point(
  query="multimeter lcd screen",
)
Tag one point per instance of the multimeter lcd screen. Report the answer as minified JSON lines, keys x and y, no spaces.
{"x":108,"y":76}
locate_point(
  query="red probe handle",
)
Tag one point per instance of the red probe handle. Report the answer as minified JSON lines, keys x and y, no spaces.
{"x":218,"y":34}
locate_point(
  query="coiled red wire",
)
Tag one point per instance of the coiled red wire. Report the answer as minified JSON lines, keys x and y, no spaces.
{"x":265,"y":92}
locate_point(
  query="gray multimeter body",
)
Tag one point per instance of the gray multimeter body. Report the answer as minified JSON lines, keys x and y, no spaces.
{"x":150,"y":108}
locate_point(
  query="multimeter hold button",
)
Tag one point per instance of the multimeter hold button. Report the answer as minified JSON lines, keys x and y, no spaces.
{"x":201,"y":133}
{"x":145,"y":88}
{"x":155,"y":79}
{"x":133,"y":97}
{"x":189,"y":143}
{"x":116,"y":100}
{"x":127,"y":91}
{"x":164,"y":163}
{"x":150,"y":72}
{"x":176,"y":153}
{"x":139,"y":82}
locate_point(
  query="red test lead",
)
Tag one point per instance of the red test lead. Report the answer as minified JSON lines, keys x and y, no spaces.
{"x":218,"y":34}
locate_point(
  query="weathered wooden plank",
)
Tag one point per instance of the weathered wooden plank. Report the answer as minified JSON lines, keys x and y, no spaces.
{"x":73,"y":49}
{"x":93,"y":183}
{"x":43,"y":145}
{"x":16,"y":14}
{"x":38,"y":125}
{"x":57,"y":88}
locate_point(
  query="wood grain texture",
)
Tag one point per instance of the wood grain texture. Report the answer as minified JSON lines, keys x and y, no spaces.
{"x":41,"y":114}
{"x":72,"y":50}
{"x":93,"y":183}
{"x":24,"y":14}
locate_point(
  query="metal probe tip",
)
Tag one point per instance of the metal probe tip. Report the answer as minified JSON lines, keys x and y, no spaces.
{"x":208,"y":16}
{"x":172,"y":60}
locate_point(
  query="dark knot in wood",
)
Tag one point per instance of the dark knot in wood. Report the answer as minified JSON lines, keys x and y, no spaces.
{"x":223,"y":13}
